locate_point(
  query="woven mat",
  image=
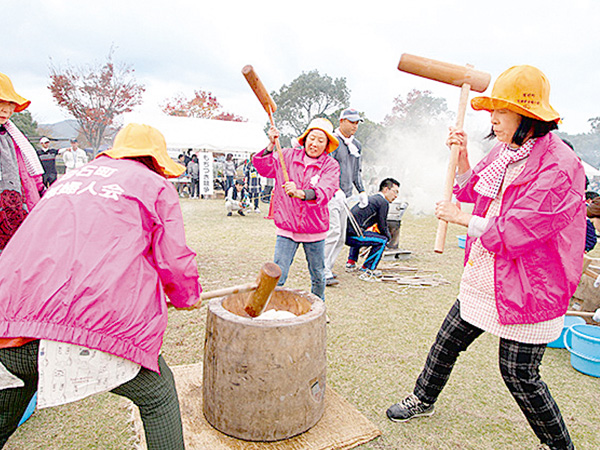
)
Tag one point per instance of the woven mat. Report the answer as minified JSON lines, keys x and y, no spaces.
{"x":341,"y":427}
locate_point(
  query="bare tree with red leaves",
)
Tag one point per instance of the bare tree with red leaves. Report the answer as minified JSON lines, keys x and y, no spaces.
{"x":203,"y":105}
{"x":96,"y":96}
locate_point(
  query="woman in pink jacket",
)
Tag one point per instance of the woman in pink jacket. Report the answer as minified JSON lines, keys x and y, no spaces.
{"x":300,"y":205}
{"x":524,"y":251}
{"x":83,"y":284}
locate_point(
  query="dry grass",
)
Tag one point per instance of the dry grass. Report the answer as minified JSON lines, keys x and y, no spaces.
{"x":377,"y":343}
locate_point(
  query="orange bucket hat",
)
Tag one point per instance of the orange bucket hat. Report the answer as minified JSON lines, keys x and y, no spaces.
{"x":8,"y":94}
{"x":143,"y":140}
{"x":521,"y":89}
{"x":326,"y":127}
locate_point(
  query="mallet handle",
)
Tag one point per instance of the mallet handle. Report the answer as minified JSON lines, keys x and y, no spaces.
{"x":270,"y":107}
{"x":222,"y":293}
{"x":579,"y":313}
{"x":440,"y":238}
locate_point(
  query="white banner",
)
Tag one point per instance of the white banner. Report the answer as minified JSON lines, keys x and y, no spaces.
{"x":205,"y":160}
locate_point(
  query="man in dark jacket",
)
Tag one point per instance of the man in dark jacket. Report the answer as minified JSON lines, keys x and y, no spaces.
{"x":47,"y":157}
{"x":375,"y":213}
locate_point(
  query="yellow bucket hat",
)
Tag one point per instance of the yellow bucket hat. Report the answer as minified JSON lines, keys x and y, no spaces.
{"x":8,"y":94}
{"x":521,"y":89}
{"x":326,"y":127}
{"x":143,"y":140}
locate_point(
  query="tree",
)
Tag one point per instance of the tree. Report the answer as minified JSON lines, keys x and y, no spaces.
{"x":25,"y":123}
{"x":203,"y":105}
{"x":595,"y":124}
{"x":96,"y":95}
{"x":308,"y":96}
{"x":419,"y":109}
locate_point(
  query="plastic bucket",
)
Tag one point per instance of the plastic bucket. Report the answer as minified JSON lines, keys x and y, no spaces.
{"x":584,"y":347}
{"x":569,"y":320}
{"x":462,"y":240}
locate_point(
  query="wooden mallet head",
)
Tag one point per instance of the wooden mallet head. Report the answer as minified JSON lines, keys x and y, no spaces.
{"x":259,"y":89}
{"x":265,"y":284}
{"x":453,"y":74}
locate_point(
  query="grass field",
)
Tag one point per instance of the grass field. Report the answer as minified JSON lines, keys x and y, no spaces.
{"x":377,"y":342}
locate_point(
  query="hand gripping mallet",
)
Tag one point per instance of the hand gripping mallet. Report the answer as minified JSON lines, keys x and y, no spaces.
{"x":269,"y":105}
{"x":467,"y":79}
{"x":261,"y":290}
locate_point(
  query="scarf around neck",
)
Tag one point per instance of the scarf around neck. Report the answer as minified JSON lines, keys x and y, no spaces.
{"x":352,"y":148}
{"x":32,"y":162}
{"x":490,"y":178}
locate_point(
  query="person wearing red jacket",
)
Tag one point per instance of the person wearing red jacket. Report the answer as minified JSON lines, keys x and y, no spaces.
{"x":523,"y":255}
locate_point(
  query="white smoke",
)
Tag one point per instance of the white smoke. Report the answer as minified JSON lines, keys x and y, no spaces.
{"x":418,"y":158}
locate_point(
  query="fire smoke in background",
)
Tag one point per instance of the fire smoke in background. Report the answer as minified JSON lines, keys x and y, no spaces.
{"x":417,"y":156}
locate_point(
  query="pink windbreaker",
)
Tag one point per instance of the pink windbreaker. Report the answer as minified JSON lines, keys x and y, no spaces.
{"x":321,"y":174}
{"x":91,"y":264}
{"x":539,"y":236}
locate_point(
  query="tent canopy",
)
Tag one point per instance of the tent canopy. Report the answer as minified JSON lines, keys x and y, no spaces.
{"x":205,"y":134}
{"x":590,"y":170}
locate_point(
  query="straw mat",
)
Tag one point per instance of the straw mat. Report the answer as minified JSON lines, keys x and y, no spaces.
{"x":341,"y":427}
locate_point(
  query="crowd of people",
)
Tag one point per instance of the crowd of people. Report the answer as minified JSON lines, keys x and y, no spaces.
{"x":122,"y":238}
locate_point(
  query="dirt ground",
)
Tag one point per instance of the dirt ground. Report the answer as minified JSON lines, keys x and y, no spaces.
{"x":377,"y":342}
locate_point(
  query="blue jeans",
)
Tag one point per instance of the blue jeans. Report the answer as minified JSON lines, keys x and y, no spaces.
{"x":285,"y":250}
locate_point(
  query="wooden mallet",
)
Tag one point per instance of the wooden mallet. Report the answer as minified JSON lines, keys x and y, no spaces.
{"x":467,"y":79}
{"x":267,"y":103}
{"x":261,"y":290}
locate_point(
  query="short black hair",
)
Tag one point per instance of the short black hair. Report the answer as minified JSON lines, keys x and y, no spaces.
{"x":388,"y":183}
{"x":590,"y":195}
{"x":239,"y":181}
{"x":539,"y":128}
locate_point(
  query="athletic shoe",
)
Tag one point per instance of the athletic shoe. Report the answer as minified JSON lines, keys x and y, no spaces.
{"x":228,"y":214}
{"x":350,"y":267}
{"x":369,"y":276}
{"x":241,"y":213}
{"x":373,"y":273}
{"x":408,"y":408}
{"x":257,"y":211}
{"x":331,"y":282}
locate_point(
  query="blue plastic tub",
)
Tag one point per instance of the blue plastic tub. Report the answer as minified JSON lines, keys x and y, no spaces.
{"x":569,"y":320}
{"x":30,"y":409}
{"x":584,"y":346}
{"x":462,"y":240}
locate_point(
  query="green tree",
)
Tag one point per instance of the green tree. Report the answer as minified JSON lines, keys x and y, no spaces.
{"x":418,"y":110}
{"x":24,"y":122}
{"x":308,"y":96}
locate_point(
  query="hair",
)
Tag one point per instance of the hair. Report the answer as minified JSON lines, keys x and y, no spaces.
{"x":538,"y":128}
{"x":195,"y":158}
{"x":593,"y":209}
{"x":239,"y":181}
{"x":149,"y":162}
{"x":229,"y":157}
{"x":590,"y":195}
{"x":388,"y":183}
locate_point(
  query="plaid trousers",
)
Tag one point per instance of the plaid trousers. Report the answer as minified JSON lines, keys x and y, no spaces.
{"x":519,"y":366}
{"x":154,"y":394}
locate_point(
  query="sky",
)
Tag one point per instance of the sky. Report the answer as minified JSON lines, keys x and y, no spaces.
{"x":178,"y":46}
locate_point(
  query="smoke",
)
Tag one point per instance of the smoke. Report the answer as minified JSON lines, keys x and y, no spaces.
{"x":417,"y":156}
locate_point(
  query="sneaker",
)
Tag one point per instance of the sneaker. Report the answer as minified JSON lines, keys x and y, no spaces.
{"x":228,"y":214}
{"x":372,"y":273}
{"x":241,"y":213}
{"x":257,"y":211}
{"x":350,"y":267}
{"x":369,"y":276}
{"x":331,"y":282}
{"x":408,"y":408}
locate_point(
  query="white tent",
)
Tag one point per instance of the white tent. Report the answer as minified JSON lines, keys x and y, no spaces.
{"x":181,"y":133}
{"x":590,"y":170}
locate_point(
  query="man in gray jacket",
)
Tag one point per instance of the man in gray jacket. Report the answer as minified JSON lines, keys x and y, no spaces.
{"x":348,"y":155}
